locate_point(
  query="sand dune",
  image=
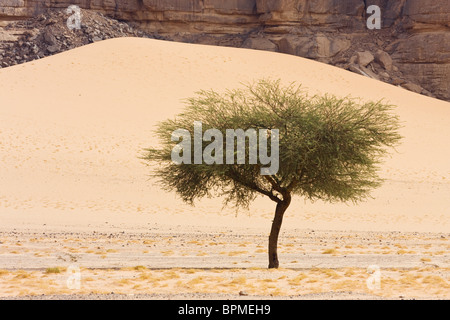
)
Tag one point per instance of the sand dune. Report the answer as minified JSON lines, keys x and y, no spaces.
{"x":73,"y":125}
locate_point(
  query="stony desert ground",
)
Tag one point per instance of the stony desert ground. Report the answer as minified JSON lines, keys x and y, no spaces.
{"x":81,"y":217}
{"x":206,"y":263}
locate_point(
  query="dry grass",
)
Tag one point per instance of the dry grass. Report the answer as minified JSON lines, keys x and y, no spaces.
{"x":349,"y":272}
{"x":344,"y":285}
{"x":436,"y":280}
{"x":196,"y":281}
{"x":401,"y":251}
{"x":424,"y":281}
{"x":191,"y":271}
{"x":140,"y":268}
{"x":260,"y":281}
{"x":239,"y":281}
{"x":330,"y":273}
{"x":22,"y":274}
{"x":298,"y":280}
{"x":171,"y":274}
{"x":234,"y":253}
{"x":329,"y":251}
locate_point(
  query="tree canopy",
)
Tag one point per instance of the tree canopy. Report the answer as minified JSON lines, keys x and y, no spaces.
{"x":329,"y":147}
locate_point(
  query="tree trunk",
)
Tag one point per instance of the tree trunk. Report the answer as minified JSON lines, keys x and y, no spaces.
{"x":275,"y":231}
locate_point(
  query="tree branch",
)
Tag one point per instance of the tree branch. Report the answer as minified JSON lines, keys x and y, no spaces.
{"x":295,"y":182}
{"x":292,"y":185}
{"x":274,"y":184}
{"x":252,"y":185}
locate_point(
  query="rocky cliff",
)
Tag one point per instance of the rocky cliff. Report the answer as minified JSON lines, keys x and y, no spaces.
{"x":412,"y":49}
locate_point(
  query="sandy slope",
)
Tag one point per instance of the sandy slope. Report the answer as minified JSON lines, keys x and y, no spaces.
{"x":73,"y":126}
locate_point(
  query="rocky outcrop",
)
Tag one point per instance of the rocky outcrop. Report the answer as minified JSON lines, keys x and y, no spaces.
{"x":47,"y":34}
{"x":422,"y":50}
{"x":412,"y":49}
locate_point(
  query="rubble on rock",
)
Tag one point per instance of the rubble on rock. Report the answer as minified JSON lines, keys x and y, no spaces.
{"x":48,"y":34}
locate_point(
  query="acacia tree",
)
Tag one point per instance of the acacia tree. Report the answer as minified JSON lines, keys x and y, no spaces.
{"x":329,"y":148}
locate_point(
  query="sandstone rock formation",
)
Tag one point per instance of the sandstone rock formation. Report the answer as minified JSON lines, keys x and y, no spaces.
{"x":412,"y":47}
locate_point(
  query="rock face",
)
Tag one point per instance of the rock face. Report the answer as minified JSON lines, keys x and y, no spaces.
{"x":411,"y":48}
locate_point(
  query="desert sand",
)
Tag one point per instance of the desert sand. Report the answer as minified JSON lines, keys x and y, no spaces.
{"x":73,"y":190}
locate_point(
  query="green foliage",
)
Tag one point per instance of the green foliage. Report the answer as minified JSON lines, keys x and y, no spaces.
{"x":53,"y":270}
{"x":330,"y":147}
